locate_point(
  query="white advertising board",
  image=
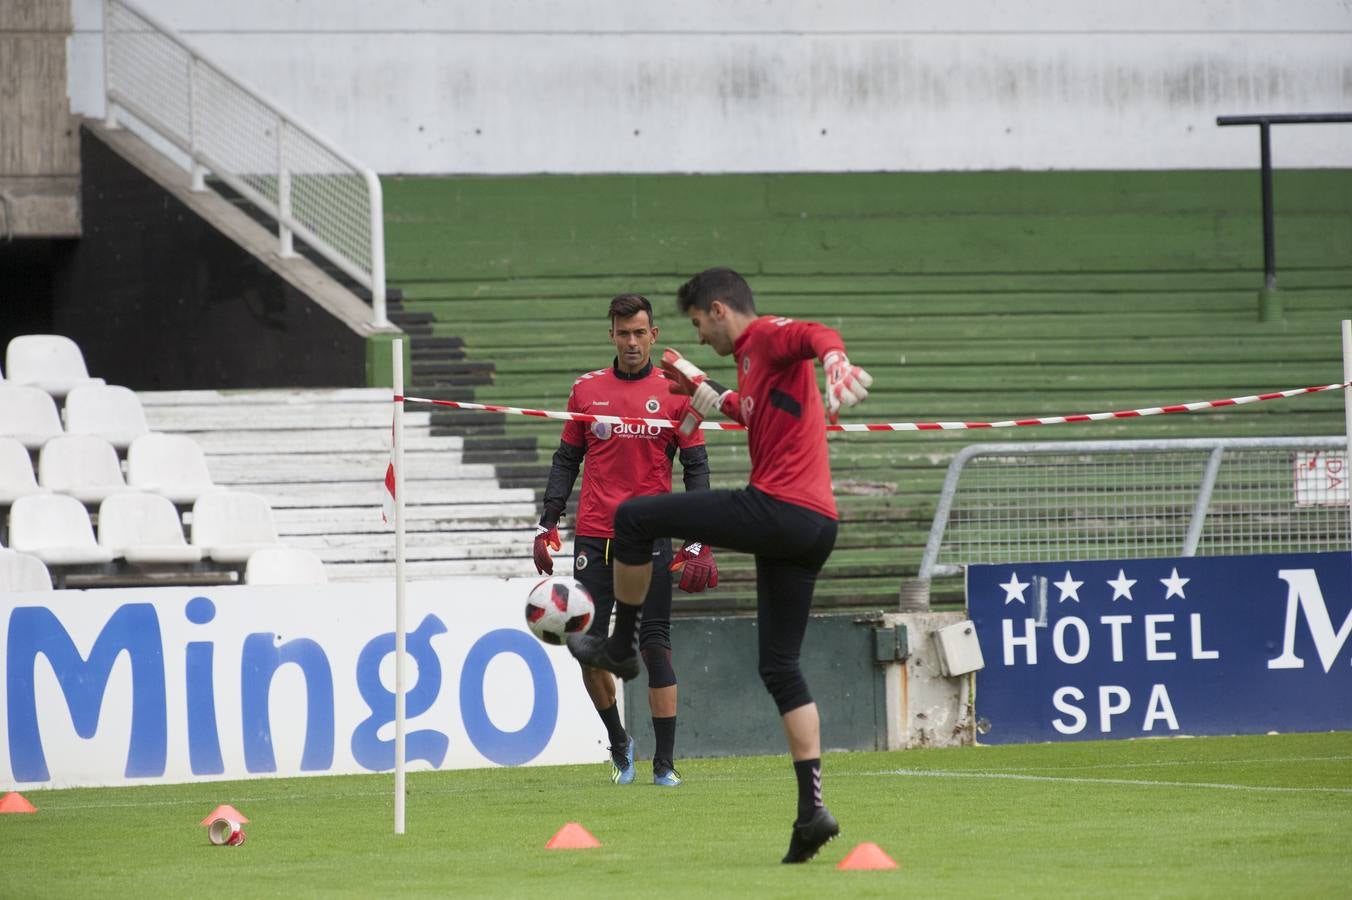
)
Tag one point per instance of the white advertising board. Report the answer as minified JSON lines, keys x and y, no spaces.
{"x":164,"y":685}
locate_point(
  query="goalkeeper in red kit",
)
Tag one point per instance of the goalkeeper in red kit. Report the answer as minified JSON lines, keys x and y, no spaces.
{"x":786,"y":516}
{"x":623,"y":461}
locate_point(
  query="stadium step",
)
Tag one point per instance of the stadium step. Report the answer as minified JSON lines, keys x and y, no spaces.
{"x":499,"y":450}
{"x":443,"y":367}
{"x":319,"y":456}
{"x":467,"y":422}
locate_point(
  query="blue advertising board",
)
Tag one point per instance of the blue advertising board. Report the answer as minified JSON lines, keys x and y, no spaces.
{"x":1159,"y":647}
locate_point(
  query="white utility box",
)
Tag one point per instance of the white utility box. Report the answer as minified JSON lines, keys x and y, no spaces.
{"x":959,"y":652}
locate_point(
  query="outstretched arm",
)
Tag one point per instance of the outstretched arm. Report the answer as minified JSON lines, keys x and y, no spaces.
{"x":846,"y":383}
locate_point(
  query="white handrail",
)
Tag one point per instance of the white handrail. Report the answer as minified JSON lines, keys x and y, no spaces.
{"x":309,"y":185}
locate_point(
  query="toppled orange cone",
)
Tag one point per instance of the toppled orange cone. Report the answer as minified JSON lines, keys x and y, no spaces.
{"x":224,"y":811}
{"x":867,"y":855}
{"x":572,"y":837}
{"x":14,"y":802}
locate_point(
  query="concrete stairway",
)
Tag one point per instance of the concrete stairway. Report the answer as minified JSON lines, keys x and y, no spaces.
{"x":319,"y":457}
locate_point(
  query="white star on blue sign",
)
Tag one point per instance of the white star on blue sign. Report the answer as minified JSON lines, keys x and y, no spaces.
{"x":1070,"y":589}
{"x":1121,"y":585}
{"x":1174,"y":584}
{"x":1014,"y":589}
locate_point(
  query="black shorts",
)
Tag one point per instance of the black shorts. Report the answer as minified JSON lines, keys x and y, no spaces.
{"x":748,"y":520}
{"x":592,"y":558}
{"x":791,"y":543}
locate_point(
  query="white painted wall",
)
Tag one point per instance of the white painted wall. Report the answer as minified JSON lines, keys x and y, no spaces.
{"x":514,"y":86}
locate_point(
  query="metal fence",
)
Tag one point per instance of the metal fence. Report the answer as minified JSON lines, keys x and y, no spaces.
{"x":1072,"y":500}
{"x":157,"y":81}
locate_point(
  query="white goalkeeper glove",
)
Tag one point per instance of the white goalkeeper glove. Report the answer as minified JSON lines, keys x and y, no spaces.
{"x":705,"y":394}
{"x":846,"y":384}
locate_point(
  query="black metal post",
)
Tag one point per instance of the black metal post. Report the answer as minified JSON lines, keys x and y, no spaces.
{"x":1269,"y":236}
{"x":1269,"y":298}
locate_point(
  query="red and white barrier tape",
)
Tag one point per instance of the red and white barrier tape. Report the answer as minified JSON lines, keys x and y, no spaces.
{"x":896,"y":426}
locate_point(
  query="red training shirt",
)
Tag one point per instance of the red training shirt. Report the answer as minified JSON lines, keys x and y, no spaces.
{"x":623,"y":461}
{"x":779,"y":403}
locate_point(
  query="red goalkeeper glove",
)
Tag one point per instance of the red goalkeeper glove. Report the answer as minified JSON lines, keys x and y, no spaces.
{"x":545,"y":540}
{"x":846,"y":384}
{"x":705,"y":394}
{"x":695,"y":562}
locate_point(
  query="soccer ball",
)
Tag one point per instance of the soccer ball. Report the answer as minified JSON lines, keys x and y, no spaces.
{"x":558,"y":607}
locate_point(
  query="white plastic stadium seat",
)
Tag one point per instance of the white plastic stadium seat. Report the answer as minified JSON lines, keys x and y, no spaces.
{"x":81,"y":465}
{"x":172,"y":465}
{"x":29,"y":414}
{"x":144,"y":528}
{"x":49,"y":361}
{"x":22,"y":572}
{"x":109,"y":411}
{"x":54,"y":528}
{"x":285,"y":565}
{"x":230,"y":526}
{"x":16,"y":472}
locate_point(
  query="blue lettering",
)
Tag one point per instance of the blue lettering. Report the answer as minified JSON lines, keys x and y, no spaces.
{"x":133,"y":628}
{"x":204,"y":742}
{"x":367,"y":747}
{"x":261,"y":658}
{"x":509,"y":748}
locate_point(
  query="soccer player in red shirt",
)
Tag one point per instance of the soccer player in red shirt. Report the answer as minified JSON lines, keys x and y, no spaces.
{"x":786,"y":516}
{"x":624,"y":461}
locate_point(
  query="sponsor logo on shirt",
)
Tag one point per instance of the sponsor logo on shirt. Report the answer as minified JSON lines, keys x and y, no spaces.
{"x":604,"y":431}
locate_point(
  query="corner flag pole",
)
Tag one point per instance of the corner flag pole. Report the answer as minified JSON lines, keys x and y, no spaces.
{"x":399,"y":490}
{"x":1347,"y":405}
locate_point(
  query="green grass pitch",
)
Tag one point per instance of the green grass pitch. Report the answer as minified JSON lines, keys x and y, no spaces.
{"x":1222,"y":817}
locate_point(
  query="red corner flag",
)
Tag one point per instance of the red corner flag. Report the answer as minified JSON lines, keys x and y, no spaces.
{"x":387,"y":498}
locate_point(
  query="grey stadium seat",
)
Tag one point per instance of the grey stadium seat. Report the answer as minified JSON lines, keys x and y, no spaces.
{"x":285,"y":565}
{"x":54,"y":528}
{"x":22,"y":572}
{"x":51,"y":362}
{"x":144,"y":528}
{"x":28,"y":414}
{"x":172,"y":465}
{"x":16,"y":472}
{"x":81,"y":465}
{"x":109,"y":411}
{"x":230,"y":526}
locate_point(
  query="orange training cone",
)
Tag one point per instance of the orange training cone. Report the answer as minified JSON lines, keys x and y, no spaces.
{"x":572,"y":837}
{"x":224,"y":811}
{"x":14,"y":802}
{"x":867,"y":855}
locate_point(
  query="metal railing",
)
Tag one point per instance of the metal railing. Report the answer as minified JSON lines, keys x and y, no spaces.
{"x":1265,"y":123}
{"x":313,"y":189}
{"x":1075,"y":500}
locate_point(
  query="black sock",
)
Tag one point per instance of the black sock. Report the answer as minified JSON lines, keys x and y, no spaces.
{"x":664,"y":734}
{"x":624,"y":639}
{"x":610,"y":716}
{"x":809,"y":772}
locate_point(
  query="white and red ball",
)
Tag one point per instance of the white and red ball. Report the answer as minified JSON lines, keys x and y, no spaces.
{"x":558,"y":607}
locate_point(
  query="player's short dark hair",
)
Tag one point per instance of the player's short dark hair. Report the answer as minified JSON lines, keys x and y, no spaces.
{"x":716,"y":284}
{"x":626,"y":305}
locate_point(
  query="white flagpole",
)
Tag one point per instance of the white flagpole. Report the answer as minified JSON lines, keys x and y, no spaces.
{"x":1347,"y":409}
{"x":399,"y":491}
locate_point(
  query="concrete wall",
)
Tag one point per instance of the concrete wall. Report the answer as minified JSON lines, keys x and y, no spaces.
{"x":170,"y":289}
{"x":795,"y":85}
{"x":724,"y":709}
{"x":39,"y":155}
